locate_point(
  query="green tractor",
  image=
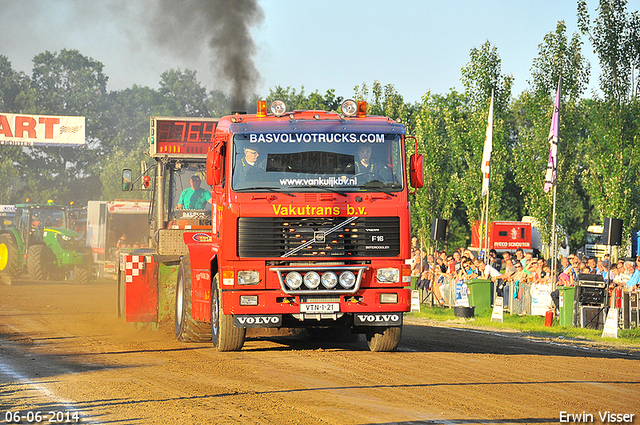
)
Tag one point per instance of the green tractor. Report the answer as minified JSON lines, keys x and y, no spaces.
{"x":40,"y":244}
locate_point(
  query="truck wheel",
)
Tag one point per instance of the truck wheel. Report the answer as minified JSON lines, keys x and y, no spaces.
{"x":224,"y":335}
{"x":187,"y":329}
{"x":37,"y":264}
{"x":384,"y":339}
{"x":8,"y":255}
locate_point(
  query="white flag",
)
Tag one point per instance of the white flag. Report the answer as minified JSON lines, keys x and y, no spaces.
{"x":486,"y":153}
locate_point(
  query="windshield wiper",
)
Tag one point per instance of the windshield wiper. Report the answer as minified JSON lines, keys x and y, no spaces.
{"x":268,"y":189}
{"x":328,"y":189}
{"x":379,"y":186}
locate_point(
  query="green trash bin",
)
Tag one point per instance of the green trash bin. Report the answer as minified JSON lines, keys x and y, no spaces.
{"x":479,"y":292}
{"x":566,"y":295}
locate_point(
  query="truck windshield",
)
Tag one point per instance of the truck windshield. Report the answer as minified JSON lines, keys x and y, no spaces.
{"x":317,"y":162}
{"x":593,"y":238}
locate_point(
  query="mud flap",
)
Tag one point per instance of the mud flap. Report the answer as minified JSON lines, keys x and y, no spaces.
{"x":141,"y":291}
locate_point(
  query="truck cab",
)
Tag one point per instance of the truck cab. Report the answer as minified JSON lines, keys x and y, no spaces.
{"x":310,"y":228}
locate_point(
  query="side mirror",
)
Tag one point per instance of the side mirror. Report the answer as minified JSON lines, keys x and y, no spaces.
{"x":213,"y":168}
{"x":416,"y":170}
{"x":127,"y":178}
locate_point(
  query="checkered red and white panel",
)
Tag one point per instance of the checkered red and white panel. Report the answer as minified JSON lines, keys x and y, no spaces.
{"x":133,"y":266}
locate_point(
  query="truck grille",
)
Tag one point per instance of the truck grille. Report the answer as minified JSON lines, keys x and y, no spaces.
{"x":293,"y":236}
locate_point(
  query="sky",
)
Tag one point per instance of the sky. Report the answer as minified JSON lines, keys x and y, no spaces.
{"x":416,"y":45}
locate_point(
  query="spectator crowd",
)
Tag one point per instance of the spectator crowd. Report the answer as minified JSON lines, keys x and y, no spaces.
{"x":516,"y":268}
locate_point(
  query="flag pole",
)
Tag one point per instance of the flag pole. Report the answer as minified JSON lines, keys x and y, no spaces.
{"x":551,"y":178}
{"x":554,"y":247}
{"x":486,"y":180}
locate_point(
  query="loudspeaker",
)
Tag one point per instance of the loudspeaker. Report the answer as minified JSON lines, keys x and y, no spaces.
{"x":592,"y":317}
{"x":612,"y":233}
{"x":439,"y":229}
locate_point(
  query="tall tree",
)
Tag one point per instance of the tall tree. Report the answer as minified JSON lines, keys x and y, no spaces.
{"x":480,"y":76}
{"x":615,"y":37}
{"x":184,"y":93}
{"x":557,"y":57}
{"x":67,"y":83}
{"x":611,"y":140}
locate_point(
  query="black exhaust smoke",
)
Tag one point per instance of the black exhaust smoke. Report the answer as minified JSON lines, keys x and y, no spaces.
{"x":226,"y":24}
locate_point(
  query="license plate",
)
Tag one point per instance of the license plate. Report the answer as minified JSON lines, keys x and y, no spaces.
{"x":319,"y":308}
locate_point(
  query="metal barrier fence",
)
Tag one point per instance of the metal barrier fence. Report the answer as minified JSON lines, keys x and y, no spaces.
{"x":517,"y":296}
{"x":518,"y":300}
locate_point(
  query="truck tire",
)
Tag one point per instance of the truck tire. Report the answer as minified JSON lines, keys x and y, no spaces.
{"x":224,"y":335}
{"x":37,"y":262}
{"x":384,"y":339}
{"x":186,"y":328}
{"x":8,"y":255}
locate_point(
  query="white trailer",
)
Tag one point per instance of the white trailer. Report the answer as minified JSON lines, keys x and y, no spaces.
{"x":113,"y":226}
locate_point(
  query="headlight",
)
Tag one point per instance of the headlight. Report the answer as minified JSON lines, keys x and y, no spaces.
{"x":349,"y":107}
{"x":329,"y":280}
{"x":389,"y":275}
{"x":248,"y":277}
{"x":312,"y":280}
{"x":293,"y":280}
{"x":347,"y":279}
{"x":389,"y":298}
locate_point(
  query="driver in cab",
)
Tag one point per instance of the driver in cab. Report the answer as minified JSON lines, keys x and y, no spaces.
{"x":364,"y":165}
{"x":249,"y":167}
{"x":194,"y":197}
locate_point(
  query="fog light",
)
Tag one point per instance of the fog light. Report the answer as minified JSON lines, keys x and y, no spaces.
{"x":347,"y":279}
{"x":293,"y":280}
{"x":389,"y":298}
{"x":248,"y":300}
{"x":329,"y":280}
{"x":389,"y":275}
{"x":248,"y":277}
{"x":312,"y":280}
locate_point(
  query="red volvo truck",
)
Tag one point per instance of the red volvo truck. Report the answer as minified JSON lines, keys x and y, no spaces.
{"x":309,"y":229}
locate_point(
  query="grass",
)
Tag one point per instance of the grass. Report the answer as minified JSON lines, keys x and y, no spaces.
{"x":529,"y":324}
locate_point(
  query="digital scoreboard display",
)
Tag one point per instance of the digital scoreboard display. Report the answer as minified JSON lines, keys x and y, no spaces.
{"x":182,"y":136}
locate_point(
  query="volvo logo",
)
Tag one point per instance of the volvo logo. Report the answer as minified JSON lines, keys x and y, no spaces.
{"x":378,"y":319}
{"x":255,"y":321}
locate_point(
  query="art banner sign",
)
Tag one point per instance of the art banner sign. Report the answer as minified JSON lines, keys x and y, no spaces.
{"x":41,"y":130}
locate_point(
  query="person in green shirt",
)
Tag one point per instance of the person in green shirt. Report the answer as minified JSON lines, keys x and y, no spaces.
{"x":194,"y":197}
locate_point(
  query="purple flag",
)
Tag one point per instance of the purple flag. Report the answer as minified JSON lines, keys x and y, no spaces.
{"x":550,"y":177}
{"x":486,"y":152}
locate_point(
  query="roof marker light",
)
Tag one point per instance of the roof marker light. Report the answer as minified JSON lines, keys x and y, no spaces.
{"x":278,"y":108}
{"x":362,"y":109}
{"x":349,"y":107}
{"x":262,"y":108}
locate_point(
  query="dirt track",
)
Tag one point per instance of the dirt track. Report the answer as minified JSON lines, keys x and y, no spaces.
{"x":62,"y":348}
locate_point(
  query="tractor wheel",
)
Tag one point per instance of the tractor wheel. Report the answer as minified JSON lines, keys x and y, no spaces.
{"x":384,"y":339}
{"x":82,"y":273}
{"x":8,"y":255}
{"x":224,"y":335}
{"x":37,"y":262}
{"x":187,"y":329}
